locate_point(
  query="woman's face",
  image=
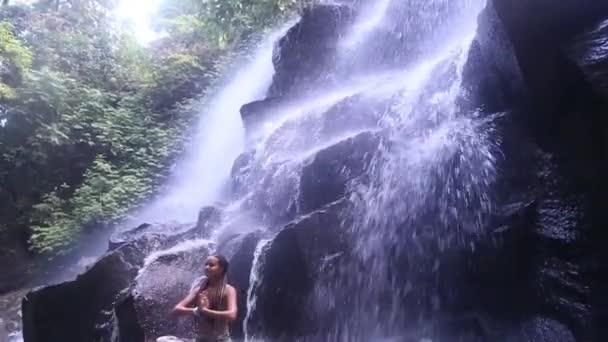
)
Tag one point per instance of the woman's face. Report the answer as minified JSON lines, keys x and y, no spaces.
{"x":213,"y":268}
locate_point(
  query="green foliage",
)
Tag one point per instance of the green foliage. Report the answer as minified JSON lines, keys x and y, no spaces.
{"x":15,"y":60}
{"x":91,"y":119}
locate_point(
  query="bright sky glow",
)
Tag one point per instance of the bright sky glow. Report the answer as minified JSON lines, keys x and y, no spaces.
{"x":139,"y":14}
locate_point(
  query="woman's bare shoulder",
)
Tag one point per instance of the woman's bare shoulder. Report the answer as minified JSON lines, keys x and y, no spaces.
{"x":230,"y":289}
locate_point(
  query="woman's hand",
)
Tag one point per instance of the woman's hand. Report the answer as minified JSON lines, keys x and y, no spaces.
{"x":204,"y":302}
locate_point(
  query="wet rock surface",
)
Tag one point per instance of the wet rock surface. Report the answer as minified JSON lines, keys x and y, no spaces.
{"x":70,"y":311}
{"x":536,"y":272}
{"x":309,"y":49}
{"x":161,"y":284}
{"x":157,"y":261}
{"x":291,"y":266}
{"x":325,"y":178}
{"x":10,"y":314}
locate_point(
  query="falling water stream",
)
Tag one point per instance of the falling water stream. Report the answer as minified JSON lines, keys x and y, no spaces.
{"x":436,"y":159}
{"x":201,"y":175}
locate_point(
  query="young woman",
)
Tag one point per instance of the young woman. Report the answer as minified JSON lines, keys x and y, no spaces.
{"x":213,"y":303}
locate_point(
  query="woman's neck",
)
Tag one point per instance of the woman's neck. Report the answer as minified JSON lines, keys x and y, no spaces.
{"x":214,"y":281}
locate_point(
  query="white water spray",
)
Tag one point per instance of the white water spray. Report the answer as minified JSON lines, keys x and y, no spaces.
{"x":254,"y":281}
{"x":371,"y":18}
{"x":201,"y":175}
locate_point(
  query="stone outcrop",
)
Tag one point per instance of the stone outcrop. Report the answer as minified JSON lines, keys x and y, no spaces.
{"x":290,"y":269}
{"x":326,"y":176}
{"x":117,"y":285}
{"x":70,"y":311}
{"x":308,"y":50}
{"x":545,"y":74}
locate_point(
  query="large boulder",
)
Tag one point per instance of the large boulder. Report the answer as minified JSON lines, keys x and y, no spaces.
{"x":149,"y":259}
{"x":256,"y":113}
{"x":554,"y":81}
{"x":283,"y":186}
{"x":240,"y":253}
{"x":289,"y":269}
{"x":144,"y":309}
{"x":150,"y":237}
{"x":589,"y":50}
{"x":70,"y":311}
{"x":209,"y":218}
{"x":542,"y":329}
{"x":326,"y":176}
{"x":125,"y":321}
{"x":492,"y":76}
{"x":549,"y":80}
{"x":308,"y":50}
{"x":166,"y":278}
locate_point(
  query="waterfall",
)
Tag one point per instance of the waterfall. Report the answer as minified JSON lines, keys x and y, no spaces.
{"x":376,"y":191}
{"x":201,"y":175}
{"x":428,"y":179}
{"x":428,"y":184}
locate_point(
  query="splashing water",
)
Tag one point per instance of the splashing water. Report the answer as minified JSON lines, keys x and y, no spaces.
{"x":256,"y":270}
{"x":430,"y":179}
{"x":429,"y":183}
{"x":202,"y":174}
{"x":180,"y":247}
{"x":370,"y":19}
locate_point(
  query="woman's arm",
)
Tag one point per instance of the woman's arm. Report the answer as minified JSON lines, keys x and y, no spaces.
{"x":182,"y":307}
{"x":230,"y":313}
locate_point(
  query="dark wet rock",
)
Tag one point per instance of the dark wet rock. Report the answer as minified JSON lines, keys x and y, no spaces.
{"x":125,"y":320}
{"x":589,"y":50}
{"x":240,"y":253}
{"x":275,"y":194}
{"x":10,"y":313}
{"x":147,"y":238}
{"x":298,"y":184}
{"x":325,"y":178}
{"x":121,"y":238}
{"x":554,"y":80}
{"x":157,"y":236}
{"x":166,"y":278}
{"x":241,"y":170}
{"x":308,"y":50}
{"x":542,"y":329}
{"x":290,"y":266}
{"x":354,"y":113}
{"x":15,"y":260}
{"x":258,"y":112}
{"x":209,"y":218}
{"x":562,"y":255}
{"x":348,"y":116}
{"x":491,"y":76}
{"x":561,"y":113}
{"x":71,"y":310}
{"x":150,"y":259}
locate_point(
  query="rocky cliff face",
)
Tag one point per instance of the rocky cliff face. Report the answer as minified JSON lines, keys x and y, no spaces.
{"x":534,"y":271}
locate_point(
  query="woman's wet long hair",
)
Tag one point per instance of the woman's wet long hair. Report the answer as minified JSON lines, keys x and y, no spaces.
{"x":224,"y":264}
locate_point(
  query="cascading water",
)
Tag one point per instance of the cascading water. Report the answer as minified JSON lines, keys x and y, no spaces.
{"x":253,"y":282}
{"x":201,"y":175}
{"x":428,"y":182}
{"x":368,"y":202}
{"x":431,"y":151}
